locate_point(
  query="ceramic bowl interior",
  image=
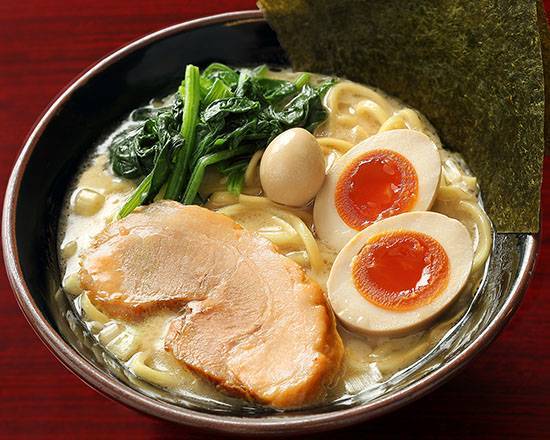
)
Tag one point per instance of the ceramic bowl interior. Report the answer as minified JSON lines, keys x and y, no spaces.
{"x":89,"y":110}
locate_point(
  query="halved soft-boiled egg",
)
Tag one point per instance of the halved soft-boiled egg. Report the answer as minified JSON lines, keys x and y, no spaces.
{"x":387,"y":174}
{"x":398,"y":274}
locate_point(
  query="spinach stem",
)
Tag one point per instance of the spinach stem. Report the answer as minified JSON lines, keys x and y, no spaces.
{"x":198,"y":172}
{"x":302,"y":80}
{"x":137,"y":196}
{"x":188,"y":132}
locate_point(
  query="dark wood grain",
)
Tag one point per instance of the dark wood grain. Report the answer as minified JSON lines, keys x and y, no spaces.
{"x":504,"y":393}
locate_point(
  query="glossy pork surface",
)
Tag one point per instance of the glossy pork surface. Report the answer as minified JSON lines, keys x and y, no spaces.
{"x":251,"y":320}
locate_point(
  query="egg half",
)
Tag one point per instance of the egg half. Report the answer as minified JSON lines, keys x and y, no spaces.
{"x":399,"y":273}
{"x":387,"y":174}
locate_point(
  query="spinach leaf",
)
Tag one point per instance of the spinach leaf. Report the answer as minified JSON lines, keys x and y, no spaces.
{"x":222,"y":72}
{"x":133,"y":152}
{"x":296,"y":112}
{"x":275,"y":89}
{"x":216,"y":112}
{"x":218,"y":90}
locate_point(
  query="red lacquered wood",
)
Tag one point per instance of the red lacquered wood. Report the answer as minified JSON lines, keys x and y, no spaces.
{"x":504,"y":393}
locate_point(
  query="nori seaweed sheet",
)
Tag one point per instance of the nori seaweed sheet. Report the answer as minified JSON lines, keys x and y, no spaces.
{"x":545,"y":47}
{"x":473,"y":67}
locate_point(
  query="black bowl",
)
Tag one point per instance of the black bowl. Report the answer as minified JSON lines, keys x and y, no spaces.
{"x":87,"y":110}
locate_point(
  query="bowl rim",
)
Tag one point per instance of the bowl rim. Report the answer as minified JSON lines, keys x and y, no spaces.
{"x":116,"y":390}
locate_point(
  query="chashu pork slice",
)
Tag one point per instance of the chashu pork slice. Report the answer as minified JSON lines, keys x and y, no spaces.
{"x":252,"y":321}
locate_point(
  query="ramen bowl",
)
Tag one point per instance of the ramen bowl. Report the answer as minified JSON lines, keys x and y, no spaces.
{"x":87,"y":110}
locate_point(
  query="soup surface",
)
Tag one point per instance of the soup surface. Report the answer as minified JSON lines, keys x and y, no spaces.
{"x":354,"y":113}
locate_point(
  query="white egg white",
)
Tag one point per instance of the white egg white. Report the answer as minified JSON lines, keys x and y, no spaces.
{"x":415,"y":146}
{"x":359,"y":314}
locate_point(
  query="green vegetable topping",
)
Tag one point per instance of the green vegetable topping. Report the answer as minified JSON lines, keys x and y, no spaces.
{"x":219,"y":118}
{"x":188,"y":130}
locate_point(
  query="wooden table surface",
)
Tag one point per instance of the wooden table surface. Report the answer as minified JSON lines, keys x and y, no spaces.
{"x":503,"y":393}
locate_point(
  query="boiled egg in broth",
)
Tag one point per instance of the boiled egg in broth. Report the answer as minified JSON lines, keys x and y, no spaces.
{"x":400,"y":273}
{"x":390,"y":173}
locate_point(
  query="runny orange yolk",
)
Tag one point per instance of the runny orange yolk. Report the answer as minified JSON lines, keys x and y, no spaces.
{"x":401,"y":270}
{"x":376,"y":185}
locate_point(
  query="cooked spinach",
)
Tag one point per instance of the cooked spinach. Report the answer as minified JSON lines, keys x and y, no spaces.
{"x":220,"y":117}
{"x":191,"y":95}
{"x":133,"y":152}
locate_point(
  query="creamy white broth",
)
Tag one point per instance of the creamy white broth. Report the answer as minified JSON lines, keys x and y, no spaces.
{"x":97,"y":195}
